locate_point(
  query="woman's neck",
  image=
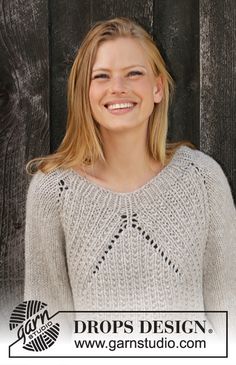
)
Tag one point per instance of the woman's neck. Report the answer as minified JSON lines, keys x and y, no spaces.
{"x":128,"y":162}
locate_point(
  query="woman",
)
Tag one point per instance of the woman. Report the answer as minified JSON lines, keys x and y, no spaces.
{"x":117,"y":218}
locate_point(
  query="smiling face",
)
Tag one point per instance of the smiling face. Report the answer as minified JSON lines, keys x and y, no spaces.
{"x":123,"y":88}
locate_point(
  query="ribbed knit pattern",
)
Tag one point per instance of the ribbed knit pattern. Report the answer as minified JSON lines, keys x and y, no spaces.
{"x":169,"y":245}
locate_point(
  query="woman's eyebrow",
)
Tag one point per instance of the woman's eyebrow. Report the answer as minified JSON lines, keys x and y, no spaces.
{"x":124,"y":68}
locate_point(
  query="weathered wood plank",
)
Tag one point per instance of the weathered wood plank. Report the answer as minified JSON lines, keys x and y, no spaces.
{"x":142,"y":11}
{"x":218,"y":80}
{"x":176,"y":29}
{"x":68,"y":22}
{"x":24,"y":129}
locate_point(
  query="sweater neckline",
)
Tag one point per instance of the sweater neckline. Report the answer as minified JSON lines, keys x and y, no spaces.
{"x":142,"y":188}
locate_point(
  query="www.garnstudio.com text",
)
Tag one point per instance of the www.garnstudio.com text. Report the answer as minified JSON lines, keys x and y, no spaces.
{"x":162,"y":343}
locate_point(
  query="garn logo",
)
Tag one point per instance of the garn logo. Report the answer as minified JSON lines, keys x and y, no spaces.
{"x":34,"y":325}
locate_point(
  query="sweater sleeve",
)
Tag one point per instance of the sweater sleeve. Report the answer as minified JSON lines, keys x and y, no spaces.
{"x":219,"y":276}
{"x":46,"y":274}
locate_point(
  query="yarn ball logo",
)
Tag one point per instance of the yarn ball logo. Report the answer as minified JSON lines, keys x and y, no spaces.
{"x":34,"y":325}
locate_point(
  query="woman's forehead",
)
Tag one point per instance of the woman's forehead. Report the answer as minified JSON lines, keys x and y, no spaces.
{"x":122,"y":53}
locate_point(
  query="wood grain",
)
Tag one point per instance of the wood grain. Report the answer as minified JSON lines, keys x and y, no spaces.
{"x":218,"y":83}
{"x":176,"y":29}
{"x":24,"y":129}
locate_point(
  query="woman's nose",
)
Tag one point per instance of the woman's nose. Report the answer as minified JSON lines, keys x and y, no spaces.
{"x":118,"y":84}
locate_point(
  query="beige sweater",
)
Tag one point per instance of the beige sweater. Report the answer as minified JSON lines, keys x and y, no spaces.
{"x":169,"y":245}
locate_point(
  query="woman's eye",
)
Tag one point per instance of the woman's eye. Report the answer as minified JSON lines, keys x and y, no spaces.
{"x":105,"y":76}
{"x":100,"y":76}
{"x":135,"y":73}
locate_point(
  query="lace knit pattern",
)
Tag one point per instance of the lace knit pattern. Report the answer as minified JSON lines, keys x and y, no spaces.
{"x":169,"y":245}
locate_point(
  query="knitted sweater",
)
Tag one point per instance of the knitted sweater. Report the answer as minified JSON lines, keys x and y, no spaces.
{"x":169,"y":245}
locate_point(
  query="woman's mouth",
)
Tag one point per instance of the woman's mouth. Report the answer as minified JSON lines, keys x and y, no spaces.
{"x":120,"y":108}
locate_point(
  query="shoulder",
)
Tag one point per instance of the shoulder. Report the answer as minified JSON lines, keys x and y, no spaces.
{"x":198,"y":157}
{"x":44,"y":183}
{"x":208,"y":168}
{"x":44,"y":190}
{"x":203,"y":162}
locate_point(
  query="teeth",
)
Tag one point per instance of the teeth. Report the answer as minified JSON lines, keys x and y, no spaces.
{"x":120,"y":106}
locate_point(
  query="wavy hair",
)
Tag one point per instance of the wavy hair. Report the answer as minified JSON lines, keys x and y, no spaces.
{"x":82,"y":144}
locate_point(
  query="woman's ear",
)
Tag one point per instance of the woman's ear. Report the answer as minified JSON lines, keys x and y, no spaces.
{"x":158,"y":90}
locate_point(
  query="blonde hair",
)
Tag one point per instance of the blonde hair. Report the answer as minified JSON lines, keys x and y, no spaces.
{"x":82,"y":143}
